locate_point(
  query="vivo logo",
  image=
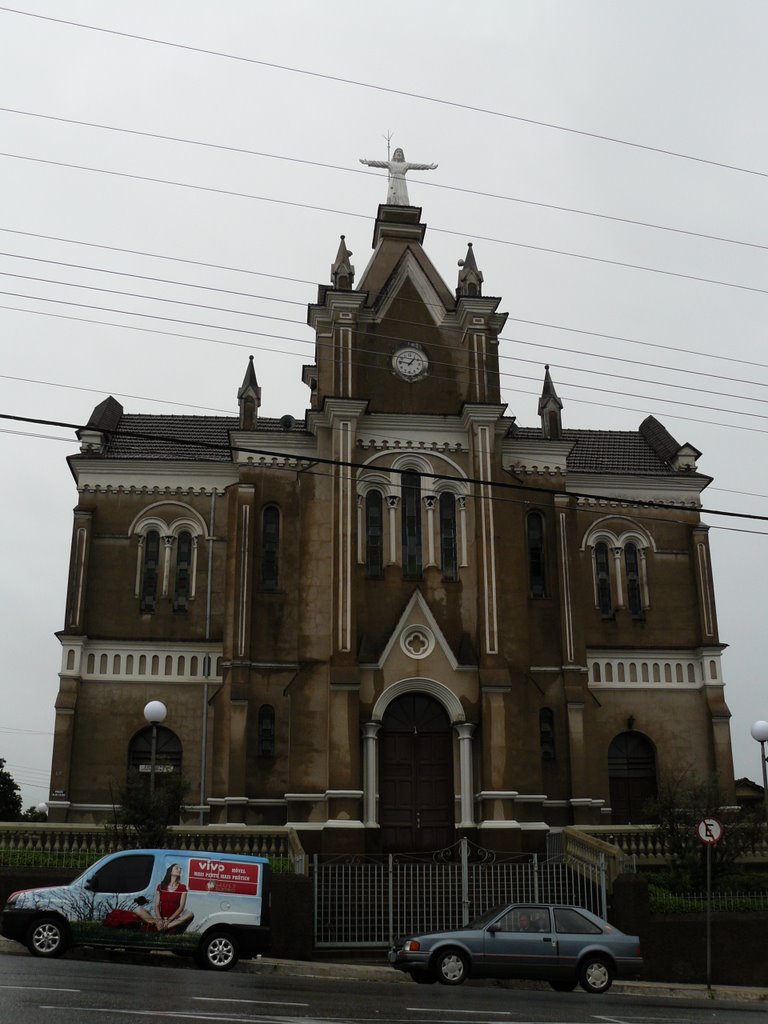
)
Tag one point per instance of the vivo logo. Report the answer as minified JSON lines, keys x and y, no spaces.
{"x":211,"y":865}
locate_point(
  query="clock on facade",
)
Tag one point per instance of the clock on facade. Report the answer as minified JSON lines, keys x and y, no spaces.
{"x":410,"y":362}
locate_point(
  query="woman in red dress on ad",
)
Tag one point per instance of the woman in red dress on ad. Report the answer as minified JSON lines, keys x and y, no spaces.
{"x":169,"y":911}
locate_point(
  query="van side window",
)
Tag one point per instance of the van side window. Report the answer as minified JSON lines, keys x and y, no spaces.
{"x":131,"y":873}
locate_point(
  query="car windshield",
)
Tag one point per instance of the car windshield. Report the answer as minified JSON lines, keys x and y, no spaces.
{"x":486,"y":918}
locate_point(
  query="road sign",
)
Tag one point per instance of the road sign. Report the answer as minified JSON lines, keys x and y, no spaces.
{"x":709,"y":831}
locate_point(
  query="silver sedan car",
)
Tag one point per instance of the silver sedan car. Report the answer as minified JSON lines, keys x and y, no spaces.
{"x":563,"y":945}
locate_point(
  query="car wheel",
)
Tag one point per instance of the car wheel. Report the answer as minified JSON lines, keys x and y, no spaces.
{"x":451,"y":967}
{"x":561,"y":985}
{"x":217,"y":951}
{"x":423,"y":977}
{"x":47,"y":936}
{"x":595,"y":975}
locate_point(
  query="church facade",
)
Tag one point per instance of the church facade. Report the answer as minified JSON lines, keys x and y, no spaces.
{"x":402,"y":618}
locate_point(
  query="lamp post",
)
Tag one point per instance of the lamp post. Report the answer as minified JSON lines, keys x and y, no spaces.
{"x":759,"y":732}
{"x":155,"y":713}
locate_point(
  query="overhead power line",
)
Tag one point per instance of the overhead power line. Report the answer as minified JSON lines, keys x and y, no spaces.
{"x":507,"y":389}
{"x":442,"y":101}
{"x":428,"y":182}
{"x":312,"y":460}
{"x":399,"y":321}
{"x":549,"y":250}
{"x":537,"y":323}
{"x":667,"y":401}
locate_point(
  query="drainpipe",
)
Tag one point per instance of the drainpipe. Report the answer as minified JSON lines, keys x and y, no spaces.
{"x":207,"y":659}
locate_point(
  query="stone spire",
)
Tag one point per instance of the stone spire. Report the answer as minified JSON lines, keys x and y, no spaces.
{"x":342,"y":271}
{"x":550,"y":408}
{"x":470,"y":278}
{"x":249,"y":398}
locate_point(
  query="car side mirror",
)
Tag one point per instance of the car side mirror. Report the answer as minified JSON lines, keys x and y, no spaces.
{"x":495,"y":927}
{"x":92,"y":884}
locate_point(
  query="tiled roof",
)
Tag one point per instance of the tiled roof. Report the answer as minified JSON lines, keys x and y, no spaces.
{"x":182,"y":438}
{"x":189,"y":438}
{"x":605,"y":451}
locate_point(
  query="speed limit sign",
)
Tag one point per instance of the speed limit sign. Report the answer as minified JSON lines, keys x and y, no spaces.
{"x":709,"y":831}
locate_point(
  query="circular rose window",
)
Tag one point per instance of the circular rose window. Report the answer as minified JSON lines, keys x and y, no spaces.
{"x":417,"y":641}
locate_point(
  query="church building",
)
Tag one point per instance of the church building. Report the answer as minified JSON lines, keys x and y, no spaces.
{"x":400,"y":617}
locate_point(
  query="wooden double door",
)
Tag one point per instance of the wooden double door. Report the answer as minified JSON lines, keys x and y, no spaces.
{"x":416,"y":788}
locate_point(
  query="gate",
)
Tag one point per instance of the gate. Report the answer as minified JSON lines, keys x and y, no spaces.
{"x":370,"y":901}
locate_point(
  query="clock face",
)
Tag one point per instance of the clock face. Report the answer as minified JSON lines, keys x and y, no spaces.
{"x":410,"y":363}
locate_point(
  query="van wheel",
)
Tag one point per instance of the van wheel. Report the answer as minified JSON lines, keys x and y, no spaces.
{"x":217,"y":951}
{"x":47,"y":936}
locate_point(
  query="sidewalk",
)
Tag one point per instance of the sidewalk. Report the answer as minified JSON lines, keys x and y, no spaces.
{"x":383,"y":973}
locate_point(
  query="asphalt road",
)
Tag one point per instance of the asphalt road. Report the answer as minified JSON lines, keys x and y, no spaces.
{"x":115,"y":989}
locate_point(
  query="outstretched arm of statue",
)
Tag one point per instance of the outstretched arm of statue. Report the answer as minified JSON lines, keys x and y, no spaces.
{"x":376,"y":163}
{"x":420,"y":167}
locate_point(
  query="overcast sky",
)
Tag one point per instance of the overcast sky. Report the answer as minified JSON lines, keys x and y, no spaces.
{"x":525,"y":106}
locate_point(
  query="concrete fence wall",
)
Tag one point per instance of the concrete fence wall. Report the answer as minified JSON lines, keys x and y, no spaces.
{"x":674,"y":945}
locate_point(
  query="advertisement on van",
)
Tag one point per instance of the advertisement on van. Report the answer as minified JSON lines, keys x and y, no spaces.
{"x":156,"y":899}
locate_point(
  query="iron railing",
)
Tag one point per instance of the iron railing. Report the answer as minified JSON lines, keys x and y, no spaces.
{"x":370,"y":901}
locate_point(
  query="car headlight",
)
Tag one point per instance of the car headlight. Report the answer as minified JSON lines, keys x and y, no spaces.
{"x":412,"y":946}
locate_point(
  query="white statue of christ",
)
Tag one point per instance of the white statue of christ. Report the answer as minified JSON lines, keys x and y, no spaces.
{"x":397,"y":192}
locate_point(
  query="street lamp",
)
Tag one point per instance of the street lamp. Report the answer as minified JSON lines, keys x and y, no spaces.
{"x":155,"y":713}
{"x":759,"y":732}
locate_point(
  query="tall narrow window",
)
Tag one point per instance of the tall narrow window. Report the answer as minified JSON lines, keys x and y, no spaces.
{"x":266,"y":736}
{"x":374,"y":535}
{"x":182,"y":585}
{"x":270,"y":545}
{"x":150,"y":571}
{"x":448,"y":558}
{"x":411,"y":506}
{"x":536,"y":579}
{"x":547,"y":734}
{"x":603,"y":579}
{"x":634,"y":593}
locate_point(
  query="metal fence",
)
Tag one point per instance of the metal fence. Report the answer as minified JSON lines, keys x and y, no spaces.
{"x":369,"y":901}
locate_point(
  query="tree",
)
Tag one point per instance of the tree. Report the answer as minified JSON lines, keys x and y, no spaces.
{"x":682,"y":803}
{"x":33,"y":813}
{"x":141,"y":818}
{"x":10,"y":795}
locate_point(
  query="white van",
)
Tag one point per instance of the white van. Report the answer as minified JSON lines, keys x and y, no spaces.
{"x":213,"y":906}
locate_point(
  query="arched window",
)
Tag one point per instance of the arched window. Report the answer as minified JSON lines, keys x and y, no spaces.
{"x":603,"y":580}
{"x":182,"y":584}
{"x":374,"y":535}
{"x":536,"y":578}
{"x":448,"y":558}
{"x":634,"y":592}
{"x":547,"y":734}
{"x":411,"y":525}
{"x":270,"y":547}
{"x":149,"y":572}
{"x":167,"y":755}
{"x":265,"y":743}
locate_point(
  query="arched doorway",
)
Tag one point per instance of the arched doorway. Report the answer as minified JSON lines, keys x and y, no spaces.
{"x":416,"y":791}
{"x":631,"y":777}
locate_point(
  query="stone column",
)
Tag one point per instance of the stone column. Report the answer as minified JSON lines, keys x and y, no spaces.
{"x":464,"y":731}
{"x":370,"y":773}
